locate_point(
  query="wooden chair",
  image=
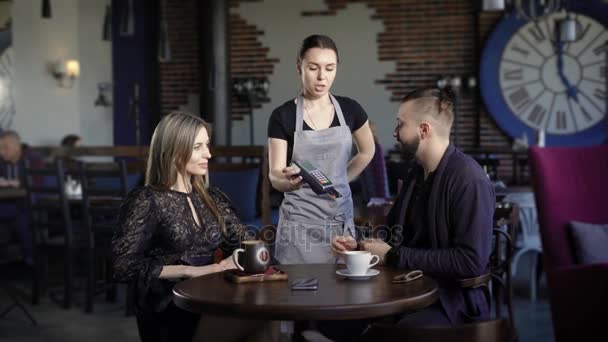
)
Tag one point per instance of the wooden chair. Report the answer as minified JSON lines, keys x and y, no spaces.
{"x":9,"y":250}
{"x":233,"y":162}
{"x":506,"y":223}
{"x":104,"y":188}
{"x":51,"y":224}
{"x":488,"y":331}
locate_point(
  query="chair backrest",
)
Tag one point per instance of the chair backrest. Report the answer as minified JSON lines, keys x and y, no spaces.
{"x":240,"y":183}
{"x":104,"y":188}
{"x":374,"y":179}
{"x":487,"y":331}
{"x":233,"y":164}
{"x":47,"y":202}
{"x":570,"y":183}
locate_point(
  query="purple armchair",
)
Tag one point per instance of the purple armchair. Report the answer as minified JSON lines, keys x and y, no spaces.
{"x":571,"y":183}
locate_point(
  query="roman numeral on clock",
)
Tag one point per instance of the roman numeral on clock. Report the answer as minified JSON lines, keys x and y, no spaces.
{"x":520,"y":98}
{"x":600,"y":49}
{"x":600,"y":94}
{"x":580,"y":35}
{"x":561,"y":122}
{"x":514,"y":75}
{"x":524,"y":52}
{"x":537,"y":114}
{"x":537,"y":33}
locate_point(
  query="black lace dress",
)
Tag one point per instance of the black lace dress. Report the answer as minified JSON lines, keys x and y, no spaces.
{"x":157,"y":229}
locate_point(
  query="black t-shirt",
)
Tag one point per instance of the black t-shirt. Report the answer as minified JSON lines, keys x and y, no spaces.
{"x":415,"y":234}
{"x":282,"y":123}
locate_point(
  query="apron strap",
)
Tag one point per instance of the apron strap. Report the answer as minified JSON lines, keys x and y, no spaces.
{"x":300,"y":112}
{"x":338,"y":110}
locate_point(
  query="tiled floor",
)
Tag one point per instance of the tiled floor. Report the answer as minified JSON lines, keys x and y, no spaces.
{"x":109,"y":324}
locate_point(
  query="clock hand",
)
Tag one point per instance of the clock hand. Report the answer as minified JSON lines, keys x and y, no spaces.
{"x":570,"y":89}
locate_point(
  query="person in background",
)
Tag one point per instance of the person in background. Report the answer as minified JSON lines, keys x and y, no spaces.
{"x":169,"y":230}
{"x":319,"y":128}
{"x":14,"y":155}
{"x":71,"y":140}
{"x":442,"y":220}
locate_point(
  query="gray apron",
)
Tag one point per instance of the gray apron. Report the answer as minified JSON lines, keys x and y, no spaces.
{"x":307,"y":221}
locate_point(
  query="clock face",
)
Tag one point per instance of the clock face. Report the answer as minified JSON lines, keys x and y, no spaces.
{"x":532,"y":81}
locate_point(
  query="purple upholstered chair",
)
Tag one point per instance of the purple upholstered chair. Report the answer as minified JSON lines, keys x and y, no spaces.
{"x":571,"y":183}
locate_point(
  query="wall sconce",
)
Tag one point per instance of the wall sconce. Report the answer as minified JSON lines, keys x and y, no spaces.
{"x":103,"y":95}
{"x":66,"y":72}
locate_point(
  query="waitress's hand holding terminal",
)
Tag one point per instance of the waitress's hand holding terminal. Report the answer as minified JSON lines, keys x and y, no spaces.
{"x":319,"y":183}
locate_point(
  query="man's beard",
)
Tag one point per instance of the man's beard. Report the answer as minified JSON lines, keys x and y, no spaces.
{"x":409,"y":149}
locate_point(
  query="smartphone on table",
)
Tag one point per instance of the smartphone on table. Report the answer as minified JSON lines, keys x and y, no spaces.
{"x":305,"y":284}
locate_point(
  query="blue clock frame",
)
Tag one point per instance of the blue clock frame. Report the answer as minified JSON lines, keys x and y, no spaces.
{"x":489,"y":80}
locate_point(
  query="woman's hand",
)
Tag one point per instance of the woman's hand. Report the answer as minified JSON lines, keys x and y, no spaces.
{"x":197,"y":271}
{"x":227,"y":264}
{"x":292,"y":176}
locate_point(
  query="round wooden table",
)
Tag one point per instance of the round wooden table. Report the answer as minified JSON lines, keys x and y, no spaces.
{"x":337,"y":298}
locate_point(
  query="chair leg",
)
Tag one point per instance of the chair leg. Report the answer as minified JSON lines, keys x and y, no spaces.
{"x":497,"y":294}
{"x":39,"y":275}
{"x":90,"y":288}
{"x":509,"y":297}
{"x":130,"y":300}
{"x":68,"y":278}
{"x":533,"y":284}
{"x":36,"y":283}
{"x":111,"y":293}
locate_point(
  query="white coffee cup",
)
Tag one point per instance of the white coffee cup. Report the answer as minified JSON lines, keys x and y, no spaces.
{"x":358,"y":262}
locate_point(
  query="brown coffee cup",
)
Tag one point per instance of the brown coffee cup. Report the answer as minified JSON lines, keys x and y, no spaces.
{"x":254,"y":258}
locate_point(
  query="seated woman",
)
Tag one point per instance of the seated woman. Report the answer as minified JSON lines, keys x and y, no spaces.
{"x":169,"y":230}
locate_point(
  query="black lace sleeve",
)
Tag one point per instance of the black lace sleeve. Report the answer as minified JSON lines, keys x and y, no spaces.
{"x":235,"y":230}
{"x":137,"y":224}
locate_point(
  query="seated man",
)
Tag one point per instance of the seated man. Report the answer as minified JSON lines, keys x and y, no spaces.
{"x":441,"y":222}
{"x":13,"y":153}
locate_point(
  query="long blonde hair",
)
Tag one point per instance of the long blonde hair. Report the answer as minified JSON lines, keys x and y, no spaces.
{"x":170,"y":151}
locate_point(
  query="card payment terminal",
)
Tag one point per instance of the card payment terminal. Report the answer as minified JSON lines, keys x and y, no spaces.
{"x":319,"y":182}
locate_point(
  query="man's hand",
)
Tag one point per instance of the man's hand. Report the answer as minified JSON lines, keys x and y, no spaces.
{"x":376,"y":247}
{"x":343,"y":243}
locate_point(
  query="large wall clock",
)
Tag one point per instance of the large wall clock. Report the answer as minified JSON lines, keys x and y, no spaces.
{"x":532,"y":81}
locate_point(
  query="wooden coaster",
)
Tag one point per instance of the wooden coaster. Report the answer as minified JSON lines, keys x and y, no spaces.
{"x":272,"y":274}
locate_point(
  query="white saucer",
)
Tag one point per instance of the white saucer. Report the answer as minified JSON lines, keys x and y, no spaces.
{"x":370,"y":273}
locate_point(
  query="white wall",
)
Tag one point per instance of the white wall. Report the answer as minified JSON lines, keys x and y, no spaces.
{"x":96,"y":123}
{"x":46,"y":112}
{"x":355,"y":34}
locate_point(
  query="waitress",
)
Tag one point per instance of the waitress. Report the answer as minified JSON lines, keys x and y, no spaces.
{"x":319,"y":128}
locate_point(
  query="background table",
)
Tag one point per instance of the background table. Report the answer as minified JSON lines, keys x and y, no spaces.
{"x":9,"y":193}
{"x":337,"y":298}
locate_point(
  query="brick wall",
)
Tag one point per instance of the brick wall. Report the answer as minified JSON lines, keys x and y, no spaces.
{"x":426,"y":39}
{"x":248,"y":58}
{"x":180,"y":76}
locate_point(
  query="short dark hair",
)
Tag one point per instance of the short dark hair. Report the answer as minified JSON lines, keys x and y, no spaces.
{"x":440,"y":99}
{"x":317,"y":41}
{"x":70,"y":140}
